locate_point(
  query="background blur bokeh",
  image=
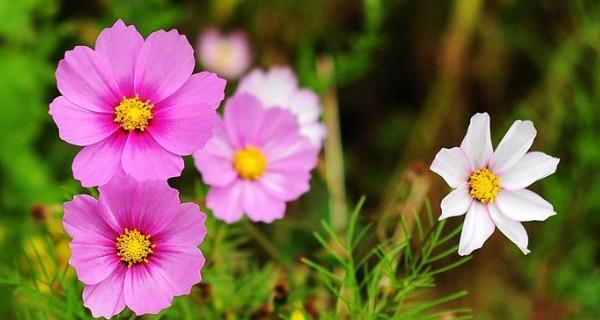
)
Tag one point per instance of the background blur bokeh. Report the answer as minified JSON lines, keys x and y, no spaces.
{"x":403,"y":76}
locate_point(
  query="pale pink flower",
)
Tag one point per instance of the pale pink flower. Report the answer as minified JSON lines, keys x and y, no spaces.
{"x":256,"y":161}
{"x":228,"y":55}
{"x":134,"y":105}
{"x":136,"y":246}
{"x":278,"y":88}
{"x":490,"y":186}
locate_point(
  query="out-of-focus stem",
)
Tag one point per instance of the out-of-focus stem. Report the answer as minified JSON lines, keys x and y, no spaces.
{"x":334,"y":156}
{"x":444,"y":100}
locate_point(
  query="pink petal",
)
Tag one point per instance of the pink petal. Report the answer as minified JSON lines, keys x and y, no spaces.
{"x":259,"y":205}
{"x":204,"y":88}
{"x":177,"y":268}
{"x":294,"y":154}
{"x":164,"y":64}
{"x":512,"y":229}
{"x":145,"y":159}
{"x":524,"y":205}
{"x":215,"y":160}
{"x":451,"y":165}
{"x":477,"y":228}
{"x":456,"y":203}
{"x":183,"y":129}
{"x":187,"y":229}
{"x":226,"y":202}
{"x":285,"y":186}
{"x":155,"y":206}
{"x":477,"y":143}
{"x":80,"y":126}
{"x":145,"y":292}
{"x":513,"y":146}
{"x":82,"y":218}
{"x":106,"y":299}
{"x":116,"y":202}
{"x":278,"y":126}
{"x":532,"y":167}
{"x":243,"y":115}
{"x":93,"y":261}
{"x":120,"y":45}
{"x":86,"y":80}
{"x":94,"y":165}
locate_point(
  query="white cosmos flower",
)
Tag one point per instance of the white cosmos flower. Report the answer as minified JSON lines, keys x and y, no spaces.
{"x":490,"y":186}
{"x":278,"y":88}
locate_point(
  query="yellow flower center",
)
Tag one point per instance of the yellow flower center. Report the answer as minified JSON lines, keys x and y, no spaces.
{"x":133,"y":113}
{"x":134,"y":247}
{"x":484,"y":185}
{"x":250,"y":163}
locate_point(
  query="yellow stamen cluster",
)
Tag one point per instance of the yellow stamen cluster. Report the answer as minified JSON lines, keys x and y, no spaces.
{"x":133,"y":113}
{"x":250,"y":163}
{"x":484,"y":185}
{"x":134,"y":247}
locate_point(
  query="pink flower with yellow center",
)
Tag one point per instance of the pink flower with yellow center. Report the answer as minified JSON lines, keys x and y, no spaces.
{"x":136,"y":246}
{"x":489,"y":186}
{"x":256,"y":161}
{"x":134,"y":105}
{"x":278,"y":88}
{"x":228,"y":55}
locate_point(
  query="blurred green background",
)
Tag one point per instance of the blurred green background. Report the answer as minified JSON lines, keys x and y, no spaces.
{"x":403,"y":76}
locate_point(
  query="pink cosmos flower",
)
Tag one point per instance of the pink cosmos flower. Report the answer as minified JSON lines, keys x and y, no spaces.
{"x":490,"y":186}
{"x":136,"y":246}
{"x":256,"y":161}
{"x":228,"y":55}
{"x":134,"y":105}
{"x":278,"y":87}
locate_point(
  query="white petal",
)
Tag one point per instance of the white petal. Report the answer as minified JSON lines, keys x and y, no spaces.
{"x":477,"y":143}
{"x":532,"y":167}
{"x":523,"y":205}
{"x":513,"y":146}
{"x":456,"y":203}
{"x":451,"y":165}
{"x":512,"y":229}
{"x":477,"y":228}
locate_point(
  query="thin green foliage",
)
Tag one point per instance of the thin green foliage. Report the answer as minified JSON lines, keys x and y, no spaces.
{"x":391,"y":280}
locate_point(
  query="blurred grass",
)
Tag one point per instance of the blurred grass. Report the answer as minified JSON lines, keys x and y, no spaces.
{"x":407,"y":75}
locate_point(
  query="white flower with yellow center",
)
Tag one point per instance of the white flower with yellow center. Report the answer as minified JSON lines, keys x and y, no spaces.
{"x":490,"y":186}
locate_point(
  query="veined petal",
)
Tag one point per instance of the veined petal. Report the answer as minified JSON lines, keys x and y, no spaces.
{"x":456,"y":203}
{"x":106,"y":299}
{"x":177,"y":268}
{"x":451,"y":165}
{"x":165,"y":62}
{"x":226,"y":202}
{"x":259,"y":205}
{"x":145,"y":159}
{"x":477,"y":228}
{"x":120,"y":45}
{"x":204,"y":88}
{"x":143,"y":293}
{"x":513,"y":146}
{"x":94,"y":165}
{"x":85,"y":79}
{"x":523,"y":205}
{"x":187,"y":229}
{"x":532,"y":167}
{"x":512,"y":229}
{"x":80,"y":126}
{"x":477,"y":143}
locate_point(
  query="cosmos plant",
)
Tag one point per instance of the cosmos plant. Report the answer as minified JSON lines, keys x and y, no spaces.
{"x":134,"y":105}
{"x":489,"y":186}
{"x":256,"y":162}
{"x":135,"y":246}
{"x":136,"y":108}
